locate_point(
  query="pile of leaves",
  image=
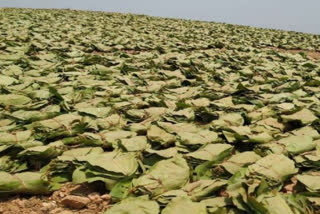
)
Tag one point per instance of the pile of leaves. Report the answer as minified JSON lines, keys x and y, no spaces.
{"x":171,"y":116}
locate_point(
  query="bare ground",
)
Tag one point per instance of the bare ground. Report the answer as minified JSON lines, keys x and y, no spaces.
{"x":71,"y":199}
{"x":311,"y":54}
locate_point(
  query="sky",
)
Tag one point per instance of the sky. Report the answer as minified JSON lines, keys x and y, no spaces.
{"x":295,"y":15}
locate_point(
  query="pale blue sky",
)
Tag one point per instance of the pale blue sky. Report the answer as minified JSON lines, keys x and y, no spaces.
{"x":297,"y":15}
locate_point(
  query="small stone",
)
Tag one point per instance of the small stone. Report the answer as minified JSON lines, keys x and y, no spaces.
{"x":92,"y":206}
{"x":20,"y":203}
{"x":30,"y":203}
{"x":48,"y":206}
{"x":95,"y":197}
{"x":56,"y":211}
{"x":61,"y":194}
{"x":76,"y":202}
{"x":66,"y":212}
{"x":106,"y":197}
{"x":105,"y":204}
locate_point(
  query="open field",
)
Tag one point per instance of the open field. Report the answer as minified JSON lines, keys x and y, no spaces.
{"x":118,"y":113}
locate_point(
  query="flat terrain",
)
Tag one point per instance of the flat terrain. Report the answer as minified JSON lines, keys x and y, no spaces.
{"x":119,"y":113}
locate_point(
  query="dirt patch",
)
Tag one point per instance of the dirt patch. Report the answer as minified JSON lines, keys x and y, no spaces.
{"x":311,"y":54}
{"x":64,"y":201}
